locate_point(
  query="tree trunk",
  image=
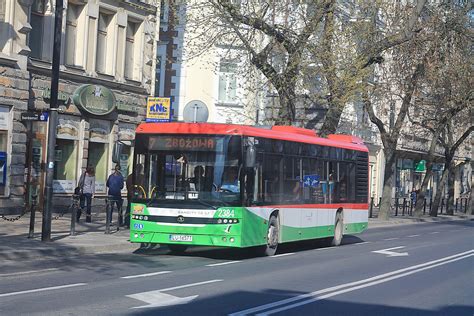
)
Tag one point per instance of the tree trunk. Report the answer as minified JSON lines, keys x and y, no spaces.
{"x":384,"y":211}
{"x":420,"y":198}
{"x":450,"y":202}
{"x":331,"y":121}
{"x":439,"y":194}
{"x":287,"y":110}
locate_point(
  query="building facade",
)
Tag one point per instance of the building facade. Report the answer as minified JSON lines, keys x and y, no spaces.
{"x":107,"y":71}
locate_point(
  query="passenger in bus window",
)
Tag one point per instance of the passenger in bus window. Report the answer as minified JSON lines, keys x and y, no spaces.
{"x":199,"y":179}
{"x":231,"y":180}
{"x":297,"y":188}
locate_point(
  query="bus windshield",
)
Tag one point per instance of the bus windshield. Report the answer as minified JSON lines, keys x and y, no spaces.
{"x":201,"y":170}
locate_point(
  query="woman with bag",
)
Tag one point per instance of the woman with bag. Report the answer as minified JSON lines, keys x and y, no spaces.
{"x":87,"y":190}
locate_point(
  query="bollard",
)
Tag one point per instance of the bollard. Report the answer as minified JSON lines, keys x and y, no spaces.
{"x":465,"y":206}
{"x":108,"y":215}
{"x":396,"y":206}
{"x":424,"y":206}
{"x":442,"y":203}
{"x":75,"y":205}
{"x":431,"y":203}
{"x":404,"y":205}
{"x":456,"y":205}
{"x":380,"y":201}
{"x":31,"y":233}
{"x":371,"y":206}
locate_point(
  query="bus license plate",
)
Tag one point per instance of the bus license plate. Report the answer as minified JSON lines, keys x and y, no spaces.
{"x":181,"y":238}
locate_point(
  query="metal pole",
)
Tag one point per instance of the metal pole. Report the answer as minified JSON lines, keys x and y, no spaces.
{"x":424,"y":206}
{"x":75,"y":202}
{"x":456,"y":207}
{"x":371,"y":206}
{"x":396,"y":206}
{"x":108,"y":215}
{"x":31,"y":233}
{"x":404,"y":206}
{"x":53,"y":117}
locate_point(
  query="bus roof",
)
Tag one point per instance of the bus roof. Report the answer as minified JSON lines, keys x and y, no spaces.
{"x":288,"y":133}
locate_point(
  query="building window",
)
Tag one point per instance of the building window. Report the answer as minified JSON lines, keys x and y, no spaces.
{"x":2,"y":10}
{"x":227,"y":82}
{"x":72,"y":17}
{"x":102,"y":42}
{"x":99,"y":134}
{"x":66,"y":155}
{"x":130,"y":49}
{"x":6,"y":122}
{"x":35,"y":39}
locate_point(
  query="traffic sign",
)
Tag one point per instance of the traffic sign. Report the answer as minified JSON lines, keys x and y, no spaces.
{"x":33,"y":116}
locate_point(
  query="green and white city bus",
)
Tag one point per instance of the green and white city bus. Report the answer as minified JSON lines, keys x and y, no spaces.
{"x":244,"y":186}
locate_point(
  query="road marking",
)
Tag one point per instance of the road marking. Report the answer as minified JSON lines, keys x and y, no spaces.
{"x":392,"y":238}
{"x":157,"y":298}
{"x":145,"y":275}
{"x":43,"y":289}
{"x":396,"y":273}
{"x":434,"y":233}
{"x":221,"y":263}
{"x":411,"y":236}
{"x":28,"y":272}
{"x":283,"y":255}
{"x":322,"y":297}
{"x":362,"y":243}
{"x":189,"y":285}
{"x":392,"y":253}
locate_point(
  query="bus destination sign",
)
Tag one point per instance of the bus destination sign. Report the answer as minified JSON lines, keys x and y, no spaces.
{"x":182,"y":143}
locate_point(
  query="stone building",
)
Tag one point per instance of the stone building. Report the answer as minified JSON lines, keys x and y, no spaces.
{"x":107,"y":71}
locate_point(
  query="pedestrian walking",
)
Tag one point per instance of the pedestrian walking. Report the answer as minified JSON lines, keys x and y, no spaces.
{"x":87,"y":190}
{"x":115,"y":185}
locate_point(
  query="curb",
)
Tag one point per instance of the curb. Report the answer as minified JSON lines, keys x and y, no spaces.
{"x":374,"y":223}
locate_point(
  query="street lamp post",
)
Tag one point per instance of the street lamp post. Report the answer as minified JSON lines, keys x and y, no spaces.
{"x":53,"y":118}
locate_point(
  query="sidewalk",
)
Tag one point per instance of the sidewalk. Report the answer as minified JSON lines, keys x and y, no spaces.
{"x":91,"y":238}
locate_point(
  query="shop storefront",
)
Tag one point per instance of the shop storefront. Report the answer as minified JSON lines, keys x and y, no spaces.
{"x":90,"y":122}
{"x":5,"y":128}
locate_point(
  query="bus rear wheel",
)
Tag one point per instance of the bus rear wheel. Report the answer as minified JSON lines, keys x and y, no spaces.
{"x":338,"y":231}
{"x":177,"y":249}
{"x":273,"y":235}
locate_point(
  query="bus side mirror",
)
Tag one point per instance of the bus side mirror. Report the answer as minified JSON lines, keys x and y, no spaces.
{"x":118,"y":146}
{"x":250,"y":156}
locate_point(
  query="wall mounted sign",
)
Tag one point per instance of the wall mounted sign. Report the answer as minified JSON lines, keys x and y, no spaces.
{"x":158,"y":109}
{"x":122,"y":106}
{"x":94,"y":99}
{"x":62,"y":96}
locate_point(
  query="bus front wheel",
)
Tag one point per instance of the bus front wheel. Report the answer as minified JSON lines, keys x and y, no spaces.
{"x":273,"y":235}
{"x":338,"y":230}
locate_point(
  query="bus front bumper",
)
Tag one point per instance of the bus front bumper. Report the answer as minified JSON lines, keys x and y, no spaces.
{"x":185,"y":239}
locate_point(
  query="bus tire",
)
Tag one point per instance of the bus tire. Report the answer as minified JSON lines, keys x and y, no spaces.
{"x":273,"y":236}
{"x":177,"y":249}
{"x":338,"y":230}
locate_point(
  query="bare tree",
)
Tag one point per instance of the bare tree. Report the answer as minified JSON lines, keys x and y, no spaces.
{"x":445,"y":106}
{"x":288,"y":42}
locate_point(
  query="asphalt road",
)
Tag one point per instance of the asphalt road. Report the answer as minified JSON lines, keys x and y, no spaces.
{"x":422,"y":269}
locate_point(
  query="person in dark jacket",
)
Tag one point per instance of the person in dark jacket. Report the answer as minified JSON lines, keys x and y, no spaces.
{"x":115,"y":185}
